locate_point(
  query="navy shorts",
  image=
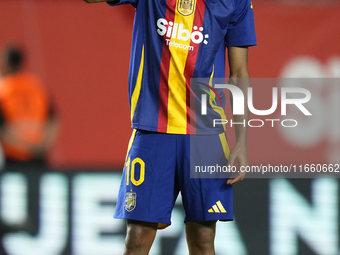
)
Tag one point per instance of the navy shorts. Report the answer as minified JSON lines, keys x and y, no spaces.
{"x":157,"y":168}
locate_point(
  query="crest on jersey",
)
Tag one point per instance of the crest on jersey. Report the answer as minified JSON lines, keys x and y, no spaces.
{"x":130,"y":201}
{"x":185,"y":7}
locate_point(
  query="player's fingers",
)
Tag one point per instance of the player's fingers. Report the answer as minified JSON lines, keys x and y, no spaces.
{"x":234,"y":180}
{"x":231,"y":181}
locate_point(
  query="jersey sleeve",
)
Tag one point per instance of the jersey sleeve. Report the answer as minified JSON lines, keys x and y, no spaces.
{"x":120,"y":2}
{"x":241,"y":28}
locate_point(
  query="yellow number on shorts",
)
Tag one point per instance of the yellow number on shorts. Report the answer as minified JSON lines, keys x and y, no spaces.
{"x":142,"y":171}
{"x":127,"y":164}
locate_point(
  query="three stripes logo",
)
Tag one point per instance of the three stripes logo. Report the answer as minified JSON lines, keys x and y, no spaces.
{"x":217,"y":208}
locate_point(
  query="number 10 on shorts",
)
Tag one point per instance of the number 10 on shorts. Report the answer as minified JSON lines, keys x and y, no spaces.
{"x":132,"y":166}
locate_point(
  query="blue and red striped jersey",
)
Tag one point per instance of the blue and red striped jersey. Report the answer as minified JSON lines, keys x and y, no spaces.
{"x":174,"y":41}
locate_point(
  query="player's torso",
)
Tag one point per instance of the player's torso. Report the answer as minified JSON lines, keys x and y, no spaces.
{"x":174,"y":41}
{"x":191,"y":30}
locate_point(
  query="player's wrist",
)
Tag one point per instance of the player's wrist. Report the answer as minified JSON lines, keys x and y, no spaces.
{"x":243,"y":141}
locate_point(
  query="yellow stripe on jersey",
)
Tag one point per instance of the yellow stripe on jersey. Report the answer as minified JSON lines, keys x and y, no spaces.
{"x":225,"y":145}
{"x":177,"y":108}
{"x":220,"y":111}
{"x":216,"y":108}
{"x":136,"y":91}
{"x":132,"y":138}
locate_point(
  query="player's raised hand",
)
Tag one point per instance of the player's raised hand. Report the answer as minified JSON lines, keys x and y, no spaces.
{"x":238,"y":154}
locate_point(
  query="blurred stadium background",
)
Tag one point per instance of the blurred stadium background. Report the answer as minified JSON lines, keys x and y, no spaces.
{"x":81,"y":52}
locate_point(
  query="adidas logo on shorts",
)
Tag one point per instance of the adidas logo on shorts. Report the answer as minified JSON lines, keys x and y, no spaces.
{"x":217,"y":208}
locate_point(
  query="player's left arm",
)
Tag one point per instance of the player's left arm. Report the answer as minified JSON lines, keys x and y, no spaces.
{"x":239,"y":76}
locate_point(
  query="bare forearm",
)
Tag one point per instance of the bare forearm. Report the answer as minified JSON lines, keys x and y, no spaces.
{"x":241,"y":80}
{"x":239,"y":76}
